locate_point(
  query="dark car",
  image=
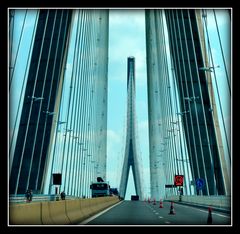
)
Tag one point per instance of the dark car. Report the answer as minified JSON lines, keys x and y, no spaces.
{"x":134,"y":197}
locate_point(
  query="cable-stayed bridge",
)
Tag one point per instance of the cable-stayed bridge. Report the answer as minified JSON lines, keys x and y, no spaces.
{"x":58,"y":116}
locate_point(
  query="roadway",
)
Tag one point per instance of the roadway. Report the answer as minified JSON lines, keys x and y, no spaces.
{"x":144,"y":213}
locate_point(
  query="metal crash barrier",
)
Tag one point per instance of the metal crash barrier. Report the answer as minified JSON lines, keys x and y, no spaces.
{"x":217,"y":201}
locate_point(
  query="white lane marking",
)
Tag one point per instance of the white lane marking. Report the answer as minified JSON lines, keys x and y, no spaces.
{"x":205,"y":211}
{"x":102,"y":212}
{"x":222,"y":215}
{"x":160,"y":217}
{"x":213,"y":213}
{"x":156,"y":213}
{"x":167,"y":222}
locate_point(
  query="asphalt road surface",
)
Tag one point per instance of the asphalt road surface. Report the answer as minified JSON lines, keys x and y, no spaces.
{"x":144,"y":213}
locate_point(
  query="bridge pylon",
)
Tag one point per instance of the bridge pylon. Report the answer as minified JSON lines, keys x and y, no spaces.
{"x":131,"y":158}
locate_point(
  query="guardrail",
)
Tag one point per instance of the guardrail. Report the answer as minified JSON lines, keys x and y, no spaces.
{"x":57,"y":212}
{"x":217,"y":201}
{"x":20,"y":198}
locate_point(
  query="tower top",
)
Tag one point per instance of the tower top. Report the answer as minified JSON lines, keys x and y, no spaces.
{"x":130,"y":69}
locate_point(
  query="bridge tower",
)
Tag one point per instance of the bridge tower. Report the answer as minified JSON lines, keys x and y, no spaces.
{"x":131,"y":157}
{"x":48,"y":59}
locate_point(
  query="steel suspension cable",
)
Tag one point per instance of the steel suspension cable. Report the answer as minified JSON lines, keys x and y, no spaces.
{"x":184,"y":79}
{"x":171,"y":105}
{"x":166,"y":126}
{"x":64,"y":161}
{"x":11,"y":36}
{"x":203,"y":111}
{"x":90,"y":95}
{"x":223,"y":57}
{"x":195,"y":107}
{"x":70,"y":157}
{"x":88,"y":110}
{"x":21,"y":92}
{"x":176,"y":58}
{"x":77,"y":151}
{"x":18,"y":47}
{"x":176,"y":107}
{"x":85,"y":70}
{"x":48,"y":104}
{"x":182,"y":134}
{"x":31,"y":104}
{"x":40,"y":106}
{"x":55,"y":165}
{"x":217,"y":89}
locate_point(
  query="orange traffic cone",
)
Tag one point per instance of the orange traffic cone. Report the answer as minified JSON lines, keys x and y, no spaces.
{"x":172,"y":212}
{"x":161,"y":204}
{"x":209,"y":219}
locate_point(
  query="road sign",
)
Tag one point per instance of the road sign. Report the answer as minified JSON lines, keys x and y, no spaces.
{"x":200,"y":183}
{"x":178,"y":180}
{"x":57,"y":178}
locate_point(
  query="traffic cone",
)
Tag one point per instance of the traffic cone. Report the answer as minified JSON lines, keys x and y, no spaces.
{"x":154,"y":201}
{"x":172,"y":212}
{"x":209,"y":219}
{"x":161,"y":204}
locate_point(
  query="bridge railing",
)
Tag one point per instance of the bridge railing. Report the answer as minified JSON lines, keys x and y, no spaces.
{"x":20,"y":198}
{"x":217,"y":201}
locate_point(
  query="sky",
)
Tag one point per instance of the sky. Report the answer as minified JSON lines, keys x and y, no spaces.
{"x":126,"y":38}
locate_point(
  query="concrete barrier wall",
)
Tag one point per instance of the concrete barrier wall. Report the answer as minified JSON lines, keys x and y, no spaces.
{"x":29,"y":213}
{"x":73,"y":210}
{"x":219,"y":201}
{"x":58,"y":212}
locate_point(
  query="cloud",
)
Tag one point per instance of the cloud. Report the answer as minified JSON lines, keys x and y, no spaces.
{"x":127,"y":38}
{"x":114,"y":157}
{"x":127,"y":17}
{"x":114,"y":143}
{"x":143,"y":126}
{"x":113,"y":136}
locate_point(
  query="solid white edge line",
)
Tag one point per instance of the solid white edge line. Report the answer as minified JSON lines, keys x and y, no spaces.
{"x":213,"y":213}
{"x":98,"y":214}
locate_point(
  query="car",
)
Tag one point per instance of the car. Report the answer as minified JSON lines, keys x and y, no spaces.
{"x":134,"y":197}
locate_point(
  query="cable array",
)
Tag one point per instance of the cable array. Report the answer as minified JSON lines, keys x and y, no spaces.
{"x":63,"y":101}
{"x":181,"y":125}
